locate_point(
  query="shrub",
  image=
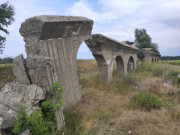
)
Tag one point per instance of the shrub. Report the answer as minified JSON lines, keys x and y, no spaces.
{"x":41,"y":121}
{"x":174,"y":73}
{"x":127,"y":79}
{"x":145,"y":100}
{"x":176,"y":81}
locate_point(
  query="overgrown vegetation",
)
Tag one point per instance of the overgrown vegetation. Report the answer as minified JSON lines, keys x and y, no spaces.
{"x":127,"y":79}
{"x":6,"y":74}
{"x":41,"y":121}
{"x":144,"y":100}
{"x":162,"y":70}
{"x":72,"y":122}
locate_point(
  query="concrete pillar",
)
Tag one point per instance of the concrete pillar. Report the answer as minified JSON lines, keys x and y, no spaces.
{"x":56,"y":38}
{"x":105,"y":69}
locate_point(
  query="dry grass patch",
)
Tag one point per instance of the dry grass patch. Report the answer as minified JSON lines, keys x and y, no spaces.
{"x":6,"y":74}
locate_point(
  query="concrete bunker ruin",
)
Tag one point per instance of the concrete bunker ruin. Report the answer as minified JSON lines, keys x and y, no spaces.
{"x":151,"y":55}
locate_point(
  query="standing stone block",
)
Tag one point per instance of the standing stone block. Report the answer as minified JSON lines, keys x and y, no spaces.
{"x":59,"y":38}
{"x":20,"y":71}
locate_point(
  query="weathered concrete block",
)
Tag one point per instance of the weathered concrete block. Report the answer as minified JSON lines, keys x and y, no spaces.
{"x":41,"y":71}
{"x":13,"y":94}
{"x":53,"y":27}
{"x":20,"y":71}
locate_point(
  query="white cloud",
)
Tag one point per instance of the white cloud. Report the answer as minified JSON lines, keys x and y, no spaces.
{"x":82,"y":8}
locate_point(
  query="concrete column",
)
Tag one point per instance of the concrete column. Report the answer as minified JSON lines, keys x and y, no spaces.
{"x":56,"y":39}
{"x":105,"y":69}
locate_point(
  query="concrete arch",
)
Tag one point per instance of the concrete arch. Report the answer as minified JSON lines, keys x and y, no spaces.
{"x":131,"y":65}
{"x":120,"y":65}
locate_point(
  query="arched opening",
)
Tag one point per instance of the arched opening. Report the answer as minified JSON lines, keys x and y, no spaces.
{"x":131,"y":65}
{"x":152,"y":60}
{"x":87,"y":68}
{"x":118,"y":66}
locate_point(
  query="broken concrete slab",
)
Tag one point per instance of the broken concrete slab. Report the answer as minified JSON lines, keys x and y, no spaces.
{"x":20,"y":71}
{"x":13,"y":95}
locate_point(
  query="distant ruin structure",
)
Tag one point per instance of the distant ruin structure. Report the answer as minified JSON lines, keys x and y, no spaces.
{"x":151,"y":55}
{"x":107,"y":50}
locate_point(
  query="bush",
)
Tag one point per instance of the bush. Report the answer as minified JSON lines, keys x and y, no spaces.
{"x":41,"y":121}
{"x":174,"y":73}
{"x":127,"y":79}
{"x":145,"y":101}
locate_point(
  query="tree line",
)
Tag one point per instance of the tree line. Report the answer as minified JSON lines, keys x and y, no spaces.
{"x":170,"y":57}
{"x":6,"y":60}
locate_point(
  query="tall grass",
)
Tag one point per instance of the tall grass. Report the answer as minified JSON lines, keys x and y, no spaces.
{"x":162,"y":70}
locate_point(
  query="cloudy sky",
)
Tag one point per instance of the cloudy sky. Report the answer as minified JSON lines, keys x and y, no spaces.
{"x":114,"y":18}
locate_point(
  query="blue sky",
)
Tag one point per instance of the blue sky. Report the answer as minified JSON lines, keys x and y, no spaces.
{"x":114,"y":18}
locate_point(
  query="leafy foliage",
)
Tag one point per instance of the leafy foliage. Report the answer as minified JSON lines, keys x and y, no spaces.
{"x":145,"y":100}
{"x":41,"y":121}
{"x":143,"y":40}
{"x":6,"y":19}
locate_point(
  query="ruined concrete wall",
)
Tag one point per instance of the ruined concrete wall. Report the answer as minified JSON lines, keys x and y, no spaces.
{"x":106,"y":50}
{"x":63,"y":52}
{"x":151,"y":55}
{"x":57,"y":38}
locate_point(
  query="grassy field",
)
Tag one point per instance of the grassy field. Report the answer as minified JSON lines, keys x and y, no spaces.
{"x":107,"y":110}
{"x":6,"y":74}
{"x":172,"y":62}
{"x":135,"y":104}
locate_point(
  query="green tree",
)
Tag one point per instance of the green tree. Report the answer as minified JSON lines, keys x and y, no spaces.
{"x":6,"y":19}
{"x":143,"y":40}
